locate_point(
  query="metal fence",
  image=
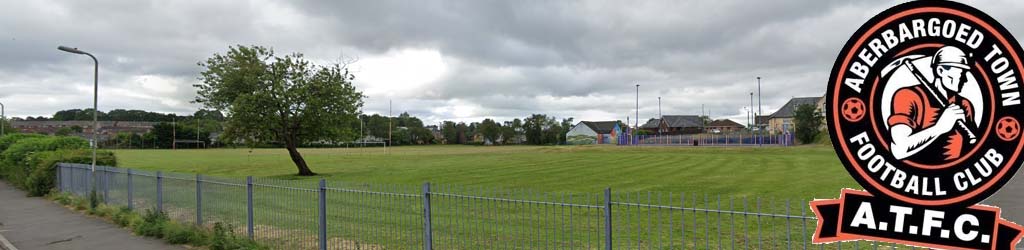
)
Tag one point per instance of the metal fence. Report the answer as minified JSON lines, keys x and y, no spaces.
{"x":311,"y":214}
{"x":733,"y":139}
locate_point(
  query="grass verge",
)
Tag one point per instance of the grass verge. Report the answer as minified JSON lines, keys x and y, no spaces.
{"x":157,"y":224}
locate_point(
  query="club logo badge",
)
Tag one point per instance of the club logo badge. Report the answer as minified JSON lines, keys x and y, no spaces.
{"x":923,"y":108}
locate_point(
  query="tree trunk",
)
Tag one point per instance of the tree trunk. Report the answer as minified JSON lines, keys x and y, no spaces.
{"x":300,"y":163}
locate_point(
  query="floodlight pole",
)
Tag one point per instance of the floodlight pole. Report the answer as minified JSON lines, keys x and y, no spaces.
{"x":637,"y":120}
{"x":95,"y":108}
{"x":753,"y":117}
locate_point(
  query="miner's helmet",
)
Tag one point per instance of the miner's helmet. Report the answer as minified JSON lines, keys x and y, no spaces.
{"x":951,"y":56}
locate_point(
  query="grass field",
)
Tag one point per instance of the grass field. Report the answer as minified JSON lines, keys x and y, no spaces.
{"x":801,"y":172}
{"x":747,"y":179}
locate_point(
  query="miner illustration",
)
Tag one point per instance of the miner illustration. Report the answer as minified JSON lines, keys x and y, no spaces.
{"x":929,"y":120}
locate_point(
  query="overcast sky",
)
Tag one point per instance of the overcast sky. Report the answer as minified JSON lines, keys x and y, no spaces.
{"x":446,"y":60}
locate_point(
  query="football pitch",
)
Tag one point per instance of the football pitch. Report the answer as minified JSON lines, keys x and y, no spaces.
{"x":800,"y":173}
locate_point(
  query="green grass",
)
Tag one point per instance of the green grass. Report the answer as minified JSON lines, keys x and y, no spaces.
{"x":286,"y":218}
{"x":773,"y":172}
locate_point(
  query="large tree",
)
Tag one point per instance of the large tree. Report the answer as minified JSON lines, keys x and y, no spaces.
{"x":286,"y":99}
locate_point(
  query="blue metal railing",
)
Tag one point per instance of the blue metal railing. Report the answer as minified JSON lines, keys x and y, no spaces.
{"x":321,"y":214}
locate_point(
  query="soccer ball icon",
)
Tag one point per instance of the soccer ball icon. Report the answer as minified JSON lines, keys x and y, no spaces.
{"x":853,"y":109}
{"x":1007,"y":128}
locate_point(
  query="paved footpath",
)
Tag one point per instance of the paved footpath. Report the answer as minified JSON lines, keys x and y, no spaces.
{"x":37,"y":223}
{"x":1011,"y":199}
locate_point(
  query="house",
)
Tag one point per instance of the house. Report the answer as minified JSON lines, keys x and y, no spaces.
{"x":594,"y":132}
{"x":723,"y":126}
{"x":107,"y":128}
{"x":435,"y":131}
{"x":674,"y":124}
{"x":761,"y":122}
{"x":782,"y":120}
{"x":821,"y":108}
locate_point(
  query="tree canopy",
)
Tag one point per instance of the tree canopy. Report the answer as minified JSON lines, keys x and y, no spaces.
{"x":285,"y":99}
{"x":807,"y":121}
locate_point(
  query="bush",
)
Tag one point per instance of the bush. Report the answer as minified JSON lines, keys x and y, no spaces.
{"x":44,"y":164}
{"x":9,"y":139}
{"x":14,"y":167}
{"x":153,"y":223}
{"x":63,"y":198}
{"x":125,"y":217}
{"x":80,"y":204}
{"x":175,"y":233}
{"x":224,"y":238}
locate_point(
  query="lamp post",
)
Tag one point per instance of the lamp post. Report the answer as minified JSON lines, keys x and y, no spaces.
{"x":637,"y":118}
{"x":95,"y":109}
{"x":760,"y":130}
{"x":659,"y":115}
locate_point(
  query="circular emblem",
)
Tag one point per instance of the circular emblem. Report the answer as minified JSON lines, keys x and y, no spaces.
{"x":853,"y":109}
{"x":1007,"y":128}
{"x":923,"y":104}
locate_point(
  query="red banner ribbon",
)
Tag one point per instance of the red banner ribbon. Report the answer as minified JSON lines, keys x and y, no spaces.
{"x":858,"y":215}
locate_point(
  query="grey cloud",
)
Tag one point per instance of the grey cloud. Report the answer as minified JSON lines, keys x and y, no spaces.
{"x":510,"y":58}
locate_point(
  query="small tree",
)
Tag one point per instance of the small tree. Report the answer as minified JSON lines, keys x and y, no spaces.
{"x":65,"y":131}
{"x":807,"y":120}
{"x":286,"y":99}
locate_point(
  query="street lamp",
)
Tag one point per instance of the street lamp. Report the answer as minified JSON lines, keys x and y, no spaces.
{"x":95,"y":109}
{"x":637,"y":120}
{"x":760,"y":130}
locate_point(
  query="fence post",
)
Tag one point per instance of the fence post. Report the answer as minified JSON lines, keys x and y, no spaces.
{"x":106,"y":185}
{"x":159,"y":191}
{"x":323,"y":214}
{"x":131,"y":203}
{"x":248,"y":188}
{"x":71,"y":180}
{"x":608,"y":218}
{"x":199,"y":200}
{"x":60,"y":182}
{"x":428,"y":240}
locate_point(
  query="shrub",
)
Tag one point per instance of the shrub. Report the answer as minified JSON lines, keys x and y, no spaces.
{"x":175,"y":233}
{"x":125,"y":217}
{"x":80,"y":204}
{"x":42,"y":178}
{"x":103,"y":211}
{"x":63,"y":198}
{"x":224,"y":238}
{"x":14,"y":165}
{"x":9,"y":139}
{"x":152,"y":224}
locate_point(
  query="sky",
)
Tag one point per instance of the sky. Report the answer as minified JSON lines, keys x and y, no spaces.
{"x":447,"y":60}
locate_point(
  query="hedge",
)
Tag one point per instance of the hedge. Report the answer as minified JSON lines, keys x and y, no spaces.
{"x":43,"y":174}
{"x":7,"y":140}
{"x":27,"y":161}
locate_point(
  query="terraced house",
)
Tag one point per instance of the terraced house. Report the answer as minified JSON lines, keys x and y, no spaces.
{"x":782,"y":120}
